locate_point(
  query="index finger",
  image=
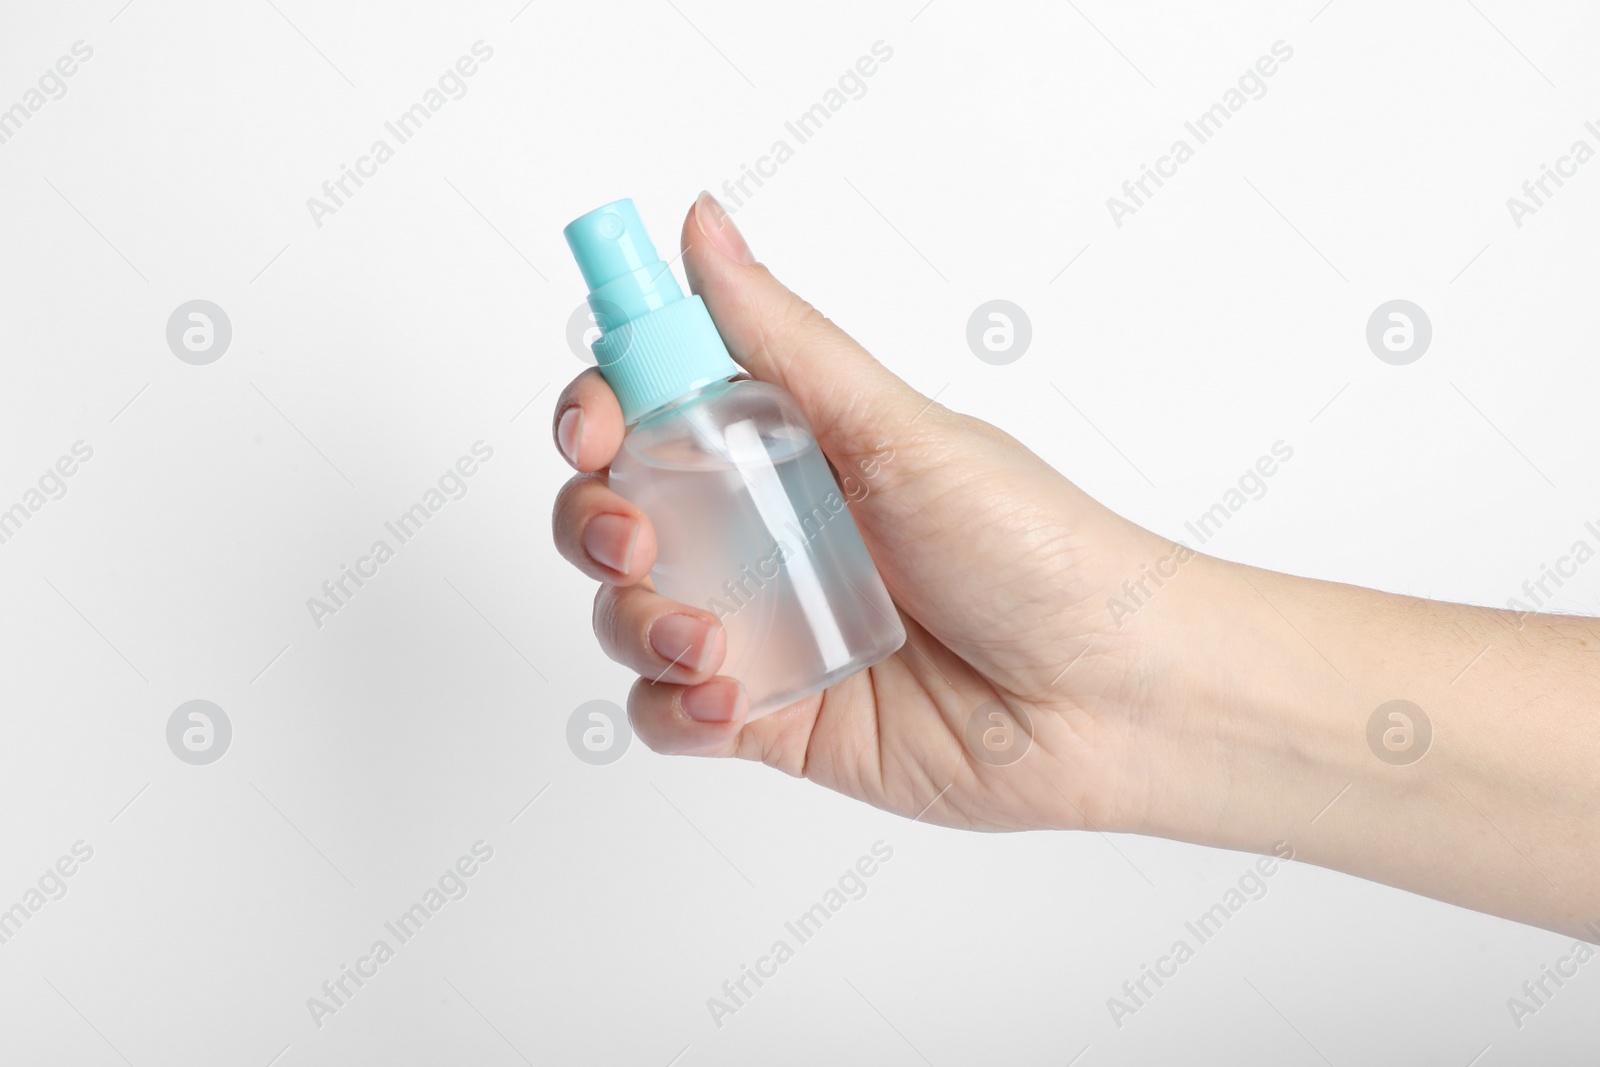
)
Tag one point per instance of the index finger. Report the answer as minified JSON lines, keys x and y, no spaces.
{"x":588,"y":423}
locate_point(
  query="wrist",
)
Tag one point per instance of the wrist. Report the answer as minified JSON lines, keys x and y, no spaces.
{"x":1248,"y":729}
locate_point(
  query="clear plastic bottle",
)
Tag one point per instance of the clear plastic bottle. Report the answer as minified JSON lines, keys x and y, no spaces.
{"x":750,"y":522}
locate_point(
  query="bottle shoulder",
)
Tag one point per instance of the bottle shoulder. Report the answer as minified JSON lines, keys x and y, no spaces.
{"x":724,"y":425}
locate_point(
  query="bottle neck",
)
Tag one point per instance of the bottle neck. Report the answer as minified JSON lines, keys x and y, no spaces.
{"x":654,"y":360}
{"x":687,"y":399}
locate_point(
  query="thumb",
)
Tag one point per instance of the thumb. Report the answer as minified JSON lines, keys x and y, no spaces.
{"x":854,"y":402}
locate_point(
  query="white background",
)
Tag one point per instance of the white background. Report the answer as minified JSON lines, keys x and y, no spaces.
{"x":430,"y":312}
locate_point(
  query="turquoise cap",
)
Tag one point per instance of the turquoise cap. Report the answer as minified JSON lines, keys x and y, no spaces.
{"x":655,"y":344}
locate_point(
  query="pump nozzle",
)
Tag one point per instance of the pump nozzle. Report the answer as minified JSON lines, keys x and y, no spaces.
{"x":626,"y":277}
{"x":654,"y":345}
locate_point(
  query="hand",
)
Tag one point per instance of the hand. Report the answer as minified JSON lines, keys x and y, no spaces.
{"x":1231,"y":708}
{"x":1000,"y":568}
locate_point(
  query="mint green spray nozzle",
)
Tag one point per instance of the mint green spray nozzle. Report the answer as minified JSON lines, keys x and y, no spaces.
{"x":619,"y":262}
{"x":655,"y":345}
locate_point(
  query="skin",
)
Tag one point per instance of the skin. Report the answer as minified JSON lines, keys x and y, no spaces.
{"x":1231,"y":709}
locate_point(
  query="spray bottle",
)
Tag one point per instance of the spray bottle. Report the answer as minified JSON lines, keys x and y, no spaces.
{"x":751,"y":524}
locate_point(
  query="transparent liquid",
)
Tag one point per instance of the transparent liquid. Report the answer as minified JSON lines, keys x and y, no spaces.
{"x":751,"y":526}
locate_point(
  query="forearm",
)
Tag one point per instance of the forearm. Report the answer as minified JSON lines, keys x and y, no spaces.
{"x":1275,"y":683}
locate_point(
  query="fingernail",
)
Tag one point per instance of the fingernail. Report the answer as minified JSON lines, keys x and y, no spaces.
{"x":682,"y":639}
{"x":569,"y":432}
{"x":714,"y":701}
{"x":719,"y":229}
{"x":609,"y":540}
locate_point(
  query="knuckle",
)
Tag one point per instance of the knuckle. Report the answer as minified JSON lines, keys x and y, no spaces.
{"x":622,"y":624}
{"x":648,"y":713}
{"x":603,"y":618}
{"x":569,"y":503}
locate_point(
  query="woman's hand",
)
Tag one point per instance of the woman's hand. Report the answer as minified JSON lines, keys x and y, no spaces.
{"x":999,"y":565}
{"x":1212,"y":702}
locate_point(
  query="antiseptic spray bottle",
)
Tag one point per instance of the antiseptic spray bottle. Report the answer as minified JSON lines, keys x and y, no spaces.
{"x":750,"y":522}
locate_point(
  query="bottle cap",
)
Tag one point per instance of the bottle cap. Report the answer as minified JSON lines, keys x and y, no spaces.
{"x":655,"y":344}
